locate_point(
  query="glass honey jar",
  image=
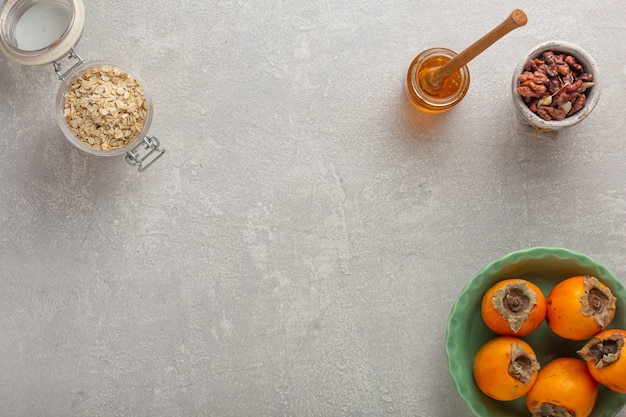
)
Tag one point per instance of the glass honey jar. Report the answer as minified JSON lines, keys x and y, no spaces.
{"x":451,"y":92}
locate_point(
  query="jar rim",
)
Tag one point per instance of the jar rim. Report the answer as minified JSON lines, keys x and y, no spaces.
{"x":10,"y":17}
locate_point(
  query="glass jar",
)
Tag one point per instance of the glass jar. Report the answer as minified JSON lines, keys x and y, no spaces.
{"x":451,"y":93}
{"x":38,"y":32}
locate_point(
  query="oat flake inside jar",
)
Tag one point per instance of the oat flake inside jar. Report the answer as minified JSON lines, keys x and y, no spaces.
{"x":102,"y":108}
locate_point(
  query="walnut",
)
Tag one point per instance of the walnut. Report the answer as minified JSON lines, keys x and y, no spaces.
{"x":580,"y":102}
{"x":568,"y":93}
{"x":549,"y":58}
{"x":548,"y":71}
{"x":536,"y":77}
{"x":575,"y":66}
{"x":555,"y":84}
{"x":586,"y":77}
{"x":533,"y":65}
{"x":531,"y":89}
{"x":550,"y":113}
{"x":532,"y":84}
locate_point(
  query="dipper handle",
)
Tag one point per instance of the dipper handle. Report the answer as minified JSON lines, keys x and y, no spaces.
{"x":516,"y":19}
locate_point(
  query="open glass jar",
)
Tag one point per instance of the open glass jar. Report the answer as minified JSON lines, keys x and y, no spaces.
{"x":39,"y":32}
{"x":452,"y":91}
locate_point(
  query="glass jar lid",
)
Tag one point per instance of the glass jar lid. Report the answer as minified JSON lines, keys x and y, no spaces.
{"x":38,"y":32}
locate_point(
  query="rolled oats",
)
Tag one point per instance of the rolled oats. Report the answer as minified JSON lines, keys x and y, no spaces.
{"x":105,"y":107}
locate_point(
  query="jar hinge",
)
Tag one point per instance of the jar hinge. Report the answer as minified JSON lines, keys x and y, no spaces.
{"x":150,"y":145}
{"x":57,"y":65}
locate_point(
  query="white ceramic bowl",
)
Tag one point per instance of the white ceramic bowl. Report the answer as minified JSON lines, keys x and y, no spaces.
{"x":593,"y":94}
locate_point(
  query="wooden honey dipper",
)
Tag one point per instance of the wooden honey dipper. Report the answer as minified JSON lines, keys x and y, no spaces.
{"x":433,"y":78}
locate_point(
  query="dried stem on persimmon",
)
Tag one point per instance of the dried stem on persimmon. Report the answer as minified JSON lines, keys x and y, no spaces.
{"x":523,"y":365}
{"x":597,"y":301}
{"x":514,"y":301}
{"x":603,"y":351}
{"x":551,"y":410}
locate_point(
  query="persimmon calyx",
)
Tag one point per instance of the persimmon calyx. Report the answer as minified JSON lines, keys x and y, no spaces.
{"x":604,"y":351}
{"x":597,"y":301}
{"x":514,"y":301}
{"x":551,"y":410}
{"x":523,"y":365}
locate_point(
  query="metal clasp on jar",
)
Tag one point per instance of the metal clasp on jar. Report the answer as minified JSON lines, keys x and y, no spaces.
{"x":72,"y":55}
{"x":150,"y":147}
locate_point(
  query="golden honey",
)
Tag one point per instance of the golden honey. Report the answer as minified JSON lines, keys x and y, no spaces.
{"x":452,"y":90}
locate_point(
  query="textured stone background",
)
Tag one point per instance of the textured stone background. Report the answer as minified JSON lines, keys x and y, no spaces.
{"x":298,"y":249}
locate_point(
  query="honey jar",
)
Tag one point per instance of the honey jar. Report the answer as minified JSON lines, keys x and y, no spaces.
{"x":451,"y":93}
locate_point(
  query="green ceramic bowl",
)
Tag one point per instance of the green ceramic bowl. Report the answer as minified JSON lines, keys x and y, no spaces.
{"x":466,"y":332}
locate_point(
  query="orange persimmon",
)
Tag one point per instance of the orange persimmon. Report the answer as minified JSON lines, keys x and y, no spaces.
{"x":505,"y":368}
{"x":565,"y":388}
{"x":579,"y":307}
{"x":606,"y":359}
{"x":513,"y":307}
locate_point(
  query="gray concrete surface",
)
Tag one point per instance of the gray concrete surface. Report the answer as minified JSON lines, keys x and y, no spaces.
{"x":298,"y":249}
